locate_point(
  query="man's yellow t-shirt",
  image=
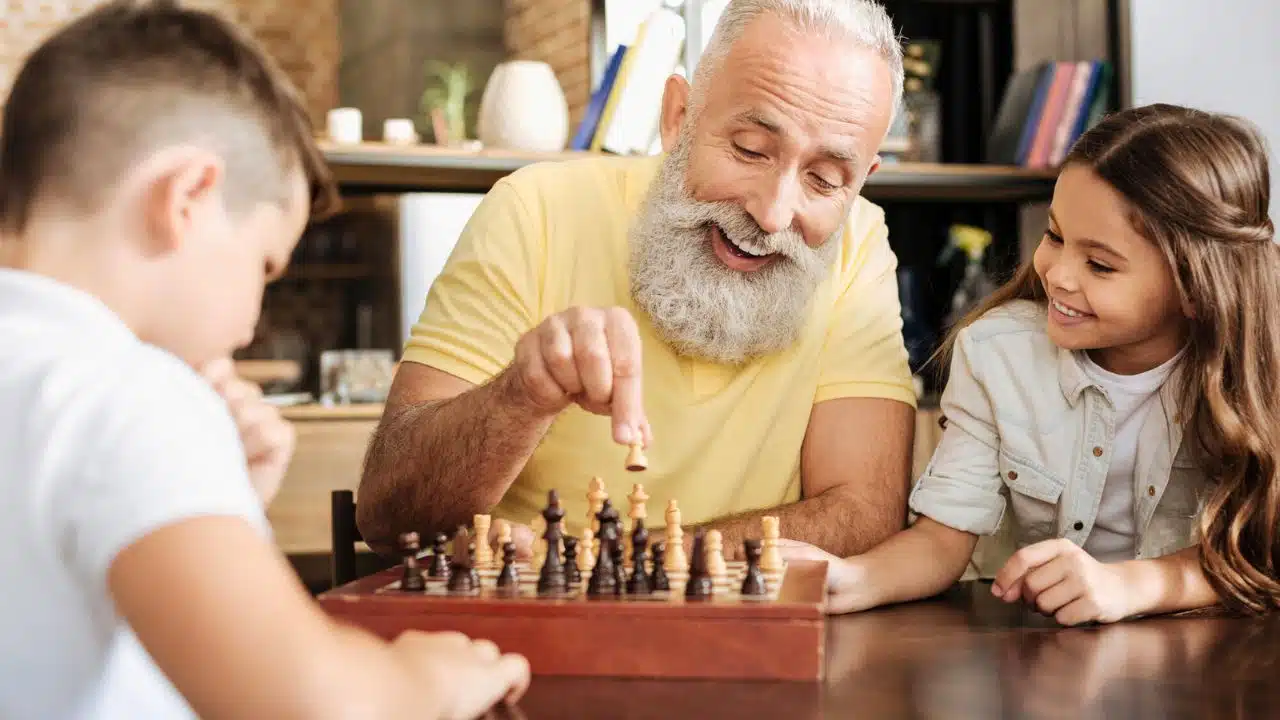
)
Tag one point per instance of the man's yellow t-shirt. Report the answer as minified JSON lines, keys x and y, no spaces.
{"x":726,"y":439}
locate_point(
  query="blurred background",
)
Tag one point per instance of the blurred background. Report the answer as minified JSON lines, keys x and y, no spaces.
{"x":423,"y":104}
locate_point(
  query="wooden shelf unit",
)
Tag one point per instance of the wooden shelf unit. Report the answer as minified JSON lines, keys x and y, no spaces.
{"x":373,"y":168}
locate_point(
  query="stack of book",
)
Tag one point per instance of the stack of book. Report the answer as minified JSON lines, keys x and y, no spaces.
{"x":623,"y":114}
{"x":1046,"y":109}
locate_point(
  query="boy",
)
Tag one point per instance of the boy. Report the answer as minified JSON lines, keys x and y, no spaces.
{"x":155,"y":170}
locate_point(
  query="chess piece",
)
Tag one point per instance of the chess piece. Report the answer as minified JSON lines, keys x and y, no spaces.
{"x":604,"y":578}
{"x":586,"y":551}
{"x":676,"y":560}
{"x":551,"y":579}
{"x":636,"y":512}
{"x":716,"y":566}
{"x":508,"y":578}
{"x":439,"y":567}
{"x":639,"y":582}
{"x":659,"y":580}
{"x":461,"y":576}
{"x":771,"y":557}
{"x":636,"y":460}
{"x":412,"y":580}
{"x":753,"y":583}
{"x":504,"y":533}
{"x":596,"y":495}
{"x":572,"y":573}
{"x":699,"y":584}
{"x":484,"y":553}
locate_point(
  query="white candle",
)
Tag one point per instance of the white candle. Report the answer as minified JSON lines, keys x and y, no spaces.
{"x":399,"y":131}
{"x":346,"y":125}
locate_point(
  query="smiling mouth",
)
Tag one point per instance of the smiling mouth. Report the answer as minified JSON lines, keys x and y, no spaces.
{"x":1067,"y":310}
{"x":739,"y":250}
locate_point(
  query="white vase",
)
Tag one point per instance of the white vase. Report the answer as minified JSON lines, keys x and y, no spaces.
{"x":523,"y":108}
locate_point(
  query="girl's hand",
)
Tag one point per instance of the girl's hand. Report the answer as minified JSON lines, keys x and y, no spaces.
{"x":846,"y":580}
{"x":1060,"y":579}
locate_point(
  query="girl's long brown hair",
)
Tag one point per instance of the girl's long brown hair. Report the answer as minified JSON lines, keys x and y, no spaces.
{"x":1198,"y":186}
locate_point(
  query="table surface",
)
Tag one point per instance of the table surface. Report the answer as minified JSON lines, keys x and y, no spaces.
{"x":966,"y":654}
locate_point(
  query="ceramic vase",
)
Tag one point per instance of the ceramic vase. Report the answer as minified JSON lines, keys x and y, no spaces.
{"x":523,"y":108}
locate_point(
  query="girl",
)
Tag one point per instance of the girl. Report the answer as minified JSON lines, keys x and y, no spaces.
{"x":1115,"y":407}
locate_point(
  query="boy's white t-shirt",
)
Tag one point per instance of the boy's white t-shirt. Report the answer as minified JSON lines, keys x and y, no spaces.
{"x":1134,"y":397}
{"x":103,"y":439}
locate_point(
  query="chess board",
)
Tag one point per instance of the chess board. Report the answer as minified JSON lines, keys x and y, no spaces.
{"x":776,"y":636}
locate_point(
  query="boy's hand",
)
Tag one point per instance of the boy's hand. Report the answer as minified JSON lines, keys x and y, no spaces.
{"x":846,"y":579}
{"x":461,"y":677}
{"x":267,"y":437}
{"x":1060,"y":579}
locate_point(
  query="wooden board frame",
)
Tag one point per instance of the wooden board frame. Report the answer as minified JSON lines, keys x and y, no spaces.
{"x":719,"y":638}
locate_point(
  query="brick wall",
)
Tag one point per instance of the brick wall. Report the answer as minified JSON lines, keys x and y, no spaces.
{"x":556,"y":32}
{"x":302,"y":35}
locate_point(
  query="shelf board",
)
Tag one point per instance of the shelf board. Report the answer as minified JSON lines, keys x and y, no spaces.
{"x":378,"y":168}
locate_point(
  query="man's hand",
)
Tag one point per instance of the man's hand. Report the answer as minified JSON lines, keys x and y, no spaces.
{"x":588,"y":356}
{"x":268,"y":438}
{"x":1060,"y":579}
{"x":846,"y":579}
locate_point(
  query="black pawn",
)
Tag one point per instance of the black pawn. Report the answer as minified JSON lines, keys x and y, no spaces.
{"x":753,"y":583}
{"x":571,"y":572}
{"x":639,"y":582}
{"x":552,"y":578}
{"x":659,"y":581}
{"x":699,"y":584}
{"x":508,"y":578}
{"x":439,"y":567}
{"x":412,"y":580}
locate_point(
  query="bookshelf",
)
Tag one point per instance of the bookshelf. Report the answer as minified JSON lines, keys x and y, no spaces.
{"x":375,"y":168}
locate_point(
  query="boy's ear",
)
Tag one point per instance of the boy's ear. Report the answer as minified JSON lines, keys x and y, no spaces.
{"x":181,"y":188}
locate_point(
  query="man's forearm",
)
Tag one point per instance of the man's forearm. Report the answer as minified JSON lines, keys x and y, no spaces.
{"x":834,"y":521}
{"x":431,"y":466}
{"x":1168,"y":584}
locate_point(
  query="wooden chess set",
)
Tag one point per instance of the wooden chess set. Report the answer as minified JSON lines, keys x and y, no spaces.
{"x":611,"y":603}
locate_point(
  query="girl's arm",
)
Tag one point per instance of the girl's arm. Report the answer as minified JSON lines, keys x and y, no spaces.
{"x":1168,"y":584}
{"x":915,"y":563}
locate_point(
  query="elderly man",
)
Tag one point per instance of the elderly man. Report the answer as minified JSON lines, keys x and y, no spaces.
{"x":732,"y":304}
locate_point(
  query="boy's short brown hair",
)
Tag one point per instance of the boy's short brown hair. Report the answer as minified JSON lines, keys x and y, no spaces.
{"x":133,"y":76}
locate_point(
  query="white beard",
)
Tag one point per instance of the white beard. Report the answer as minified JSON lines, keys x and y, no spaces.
{"x":702,"y":308}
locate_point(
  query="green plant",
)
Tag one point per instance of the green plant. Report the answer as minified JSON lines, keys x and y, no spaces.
{"x":448,"y":89}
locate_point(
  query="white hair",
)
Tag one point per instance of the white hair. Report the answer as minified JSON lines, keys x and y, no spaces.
{"x":864,"y":22}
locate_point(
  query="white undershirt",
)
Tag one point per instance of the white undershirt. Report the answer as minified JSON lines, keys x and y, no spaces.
{"x":1133,"y":396}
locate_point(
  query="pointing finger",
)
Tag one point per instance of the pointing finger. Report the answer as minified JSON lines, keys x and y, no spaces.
{"x":628,"y":398}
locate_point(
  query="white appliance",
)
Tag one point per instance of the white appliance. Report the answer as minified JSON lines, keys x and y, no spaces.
{"x":430,"y":225}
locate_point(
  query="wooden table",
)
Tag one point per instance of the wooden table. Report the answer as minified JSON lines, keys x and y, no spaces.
{"x":967,"y":655}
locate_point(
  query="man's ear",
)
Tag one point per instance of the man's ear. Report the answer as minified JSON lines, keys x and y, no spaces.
{"x":179,"y":187}
{"x":675,"y":108}
{"x":875,"y":165}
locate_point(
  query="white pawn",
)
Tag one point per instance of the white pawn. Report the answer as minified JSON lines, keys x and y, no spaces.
{"x":770,"y":557}
{"x":716,"y":566}
{"x":504,"y":534}
{"x":596,"y":495}
{"x":637,"y":511}
{"x":586,"y":551}
{"x":484,"y":551}
{"x":539,"y":527}
{"x":676,"y":560}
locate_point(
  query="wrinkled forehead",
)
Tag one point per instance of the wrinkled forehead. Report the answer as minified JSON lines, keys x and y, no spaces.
{"x":804,"y":82}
